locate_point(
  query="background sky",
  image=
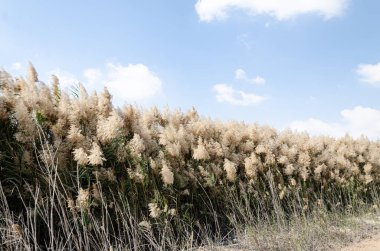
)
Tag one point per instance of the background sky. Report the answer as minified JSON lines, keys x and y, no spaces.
{"x":303,"y":64}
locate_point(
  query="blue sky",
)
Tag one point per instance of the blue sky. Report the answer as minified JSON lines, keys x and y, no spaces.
{"x":305,"y":64}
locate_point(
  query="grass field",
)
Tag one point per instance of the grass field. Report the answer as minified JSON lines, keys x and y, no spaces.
{"x":77,"y":173}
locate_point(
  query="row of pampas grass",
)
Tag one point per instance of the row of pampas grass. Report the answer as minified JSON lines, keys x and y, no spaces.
{"x":78,"y":173}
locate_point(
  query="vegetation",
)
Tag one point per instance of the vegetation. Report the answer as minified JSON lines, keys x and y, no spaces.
{"x":77,"y":173}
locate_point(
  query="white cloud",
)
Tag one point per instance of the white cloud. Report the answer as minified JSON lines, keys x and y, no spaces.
{"x":209,"y":10}
{"x":16,"y":69}
{"x":369,"y":73}
{"x":356,"y":122}
{"x":66,"y":79}
{"x":240,"y":74}
{"x":92,"y":76}
{"x":132,"y":82}
{"x":16,"y":66}
{"x":259,"y":80}
{"x":225,"y":93}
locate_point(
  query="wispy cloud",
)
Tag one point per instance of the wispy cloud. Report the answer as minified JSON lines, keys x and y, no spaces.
{"x":16,"y":66}
{"x":245,"y":41}
{"x":225,"y":93}
{"x":93,"y":76}
{"x":356,"y":122}
{"x":209,"y":10}
{"x":66,"y":79}
{"x":369,"y":73}
{"x":240,"y":74}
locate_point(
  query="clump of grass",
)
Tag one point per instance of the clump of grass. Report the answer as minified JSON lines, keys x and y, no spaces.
{"x":318,"y":230}
{"x":78,"y":173}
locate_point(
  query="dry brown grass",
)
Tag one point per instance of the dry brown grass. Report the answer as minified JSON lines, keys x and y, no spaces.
{"x":318,"y":231}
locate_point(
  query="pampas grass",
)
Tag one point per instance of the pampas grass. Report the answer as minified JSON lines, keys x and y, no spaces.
{"x":78,"y":173}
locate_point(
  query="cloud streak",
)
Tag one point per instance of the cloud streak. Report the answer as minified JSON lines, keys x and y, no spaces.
{"x":210,"y":10}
